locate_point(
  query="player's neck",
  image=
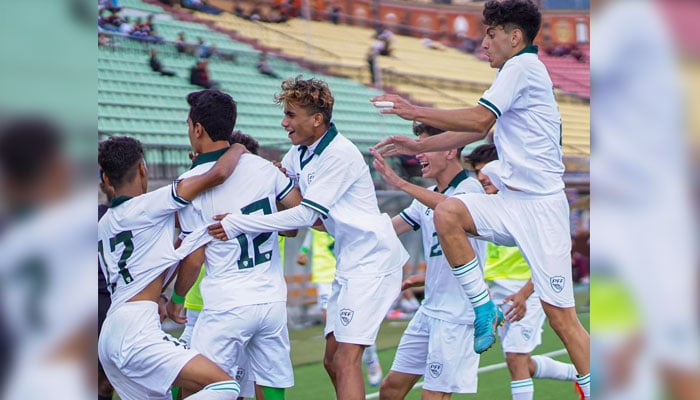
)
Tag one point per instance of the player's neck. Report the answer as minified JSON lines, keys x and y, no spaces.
{"x":210,"y":146}
{"x":131,"y":189}
{"x":447,"y":175}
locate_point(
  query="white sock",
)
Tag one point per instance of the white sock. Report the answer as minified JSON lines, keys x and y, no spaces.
{"x":224,"y":390}
{"x":471,"y":278}
{"x":585,"y":382}
{"x":369,"y":356}
{"x":548,"y":368}
{"x":522,"y":390}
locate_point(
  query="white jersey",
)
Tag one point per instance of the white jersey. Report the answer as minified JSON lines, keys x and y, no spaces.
{"x":444,"y":297}
{"x":247,"y":269}
{"x":135,"y":241}
{"x":528,"y":134}
{"x":335,"y":181}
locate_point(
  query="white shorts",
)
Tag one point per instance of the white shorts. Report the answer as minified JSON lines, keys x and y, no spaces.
{"x":357,"y":306}
{"x":259,"y":330}
{"x":244,"y":377}
{"x":140,"y":360}
{"x":539,"y":226}
{"x":442,"y":352}
{"x":525,"y":335}
{"x":324,"y":291}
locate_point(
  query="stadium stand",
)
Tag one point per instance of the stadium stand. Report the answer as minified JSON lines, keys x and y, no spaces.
{"x":446,"y":78}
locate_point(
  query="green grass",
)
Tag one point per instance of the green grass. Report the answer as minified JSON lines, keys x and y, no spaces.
{"x":312,"y":383}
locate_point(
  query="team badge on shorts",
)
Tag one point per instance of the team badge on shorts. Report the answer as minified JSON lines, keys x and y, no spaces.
{"x":240,"y":374}
{"x":346,"y":316}
{"x":435,"y":369}
{"x":557,"y":283}
{"x":526,"y":332}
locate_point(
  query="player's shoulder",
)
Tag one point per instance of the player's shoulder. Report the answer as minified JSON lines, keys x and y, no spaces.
{"x":469,"y":185}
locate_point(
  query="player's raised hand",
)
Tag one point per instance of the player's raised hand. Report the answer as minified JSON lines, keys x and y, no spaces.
{"x":395,"y":145}
{"x":401,"y":106}
{"x":385,"y":170}
{"x":302,"y":259}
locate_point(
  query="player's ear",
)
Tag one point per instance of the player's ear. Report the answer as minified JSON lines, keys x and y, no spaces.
{"x":318,"y":120}
{"x":143,"y":170}
{"x":516,"y":37}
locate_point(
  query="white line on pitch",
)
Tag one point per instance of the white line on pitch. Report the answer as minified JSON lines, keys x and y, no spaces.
{"x":487,"y":368}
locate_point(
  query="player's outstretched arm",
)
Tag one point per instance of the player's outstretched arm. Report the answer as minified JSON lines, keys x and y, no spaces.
{"x":428,"y":197}
{"x":190,"y":187}
{"x":472,"y":119}
{"x":395,"y":145}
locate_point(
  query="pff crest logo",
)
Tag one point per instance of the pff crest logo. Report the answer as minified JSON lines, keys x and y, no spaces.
{"x":310,"y":178}
{"x":240,"y":374}
{"x":557,"y":283}
{"x":526,"y":332}
{"x":346,"y":316}
{"x":435,"y":369}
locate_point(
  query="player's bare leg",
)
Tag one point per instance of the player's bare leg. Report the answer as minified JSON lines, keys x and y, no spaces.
{"x":201,"y":372}
{"x":331,"y":348}
{"x":452,"y":222}
{"x":396,"y":385}
{"x":347,"y":365}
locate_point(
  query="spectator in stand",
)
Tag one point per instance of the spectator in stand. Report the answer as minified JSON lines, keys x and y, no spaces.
{"x":126,"y":26}
{"x":182,"y":46}
{"x":264,"y":66}
{"x":200,"y":76}
{"x":157,"y":65}
{"x":199,"y":5}
{"x":205,"y":51}
{"x":335,"y":13}
{"x":110,"y":5}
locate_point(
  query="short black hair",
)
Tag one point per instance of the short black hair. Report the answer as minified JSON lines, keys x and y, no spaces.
{"x":421,"y":128}
{"x":28,"y":146}
{"x":215,"y":111}
{"x":511,"y":14}
{"x":246,"y":140}
{"x":482,"y":154}
{"x":118,"y":158}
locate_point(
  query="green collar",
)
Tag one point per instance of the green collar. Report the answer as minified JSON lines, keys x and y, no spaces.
{"x":119,"y":200}
{"x":326,"y":139}
{"x":532,"y":49}
{"x":208,"y":157}
{"x":462,"y":175}
{"x":528,"y":49}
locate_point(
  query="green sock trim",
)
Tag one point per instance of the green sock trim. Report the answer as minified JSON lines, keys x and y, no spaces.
{"x":273,"y":393}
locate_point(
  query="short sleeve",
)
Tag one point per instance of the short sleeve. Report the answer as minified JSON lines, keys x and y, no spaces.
{"x":283,"y":184}
{"x":162,"y":202}
{"x":509,"y":84}
{"x":411,"y":214}
{"x":469,"y":185}
{"x":333,"y":178}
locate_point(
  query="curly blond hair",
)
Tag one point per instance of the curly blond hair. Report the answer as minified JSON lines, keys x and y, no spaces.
{"x":313,"y":95}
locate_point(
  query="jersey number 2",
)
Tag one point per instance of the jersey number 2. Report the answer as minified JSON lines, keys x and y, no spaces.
{"x":246,"y":261}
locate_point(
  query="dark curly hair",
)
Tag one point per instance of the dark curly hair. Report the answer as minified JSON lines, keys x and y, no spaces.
{"x":215,"y":111}
{"x":512,"y":14}
{"x":246,"y":140}
{"x":118,"y":158}
{"x":313,"y":95}
{"x":482,"y":154}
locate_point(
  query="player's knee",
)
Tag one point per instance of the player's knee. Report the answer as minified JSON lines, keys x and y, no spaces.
{"x":328,"y":365}
{"x":389,"y":390}
{"x":449,"y":214}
